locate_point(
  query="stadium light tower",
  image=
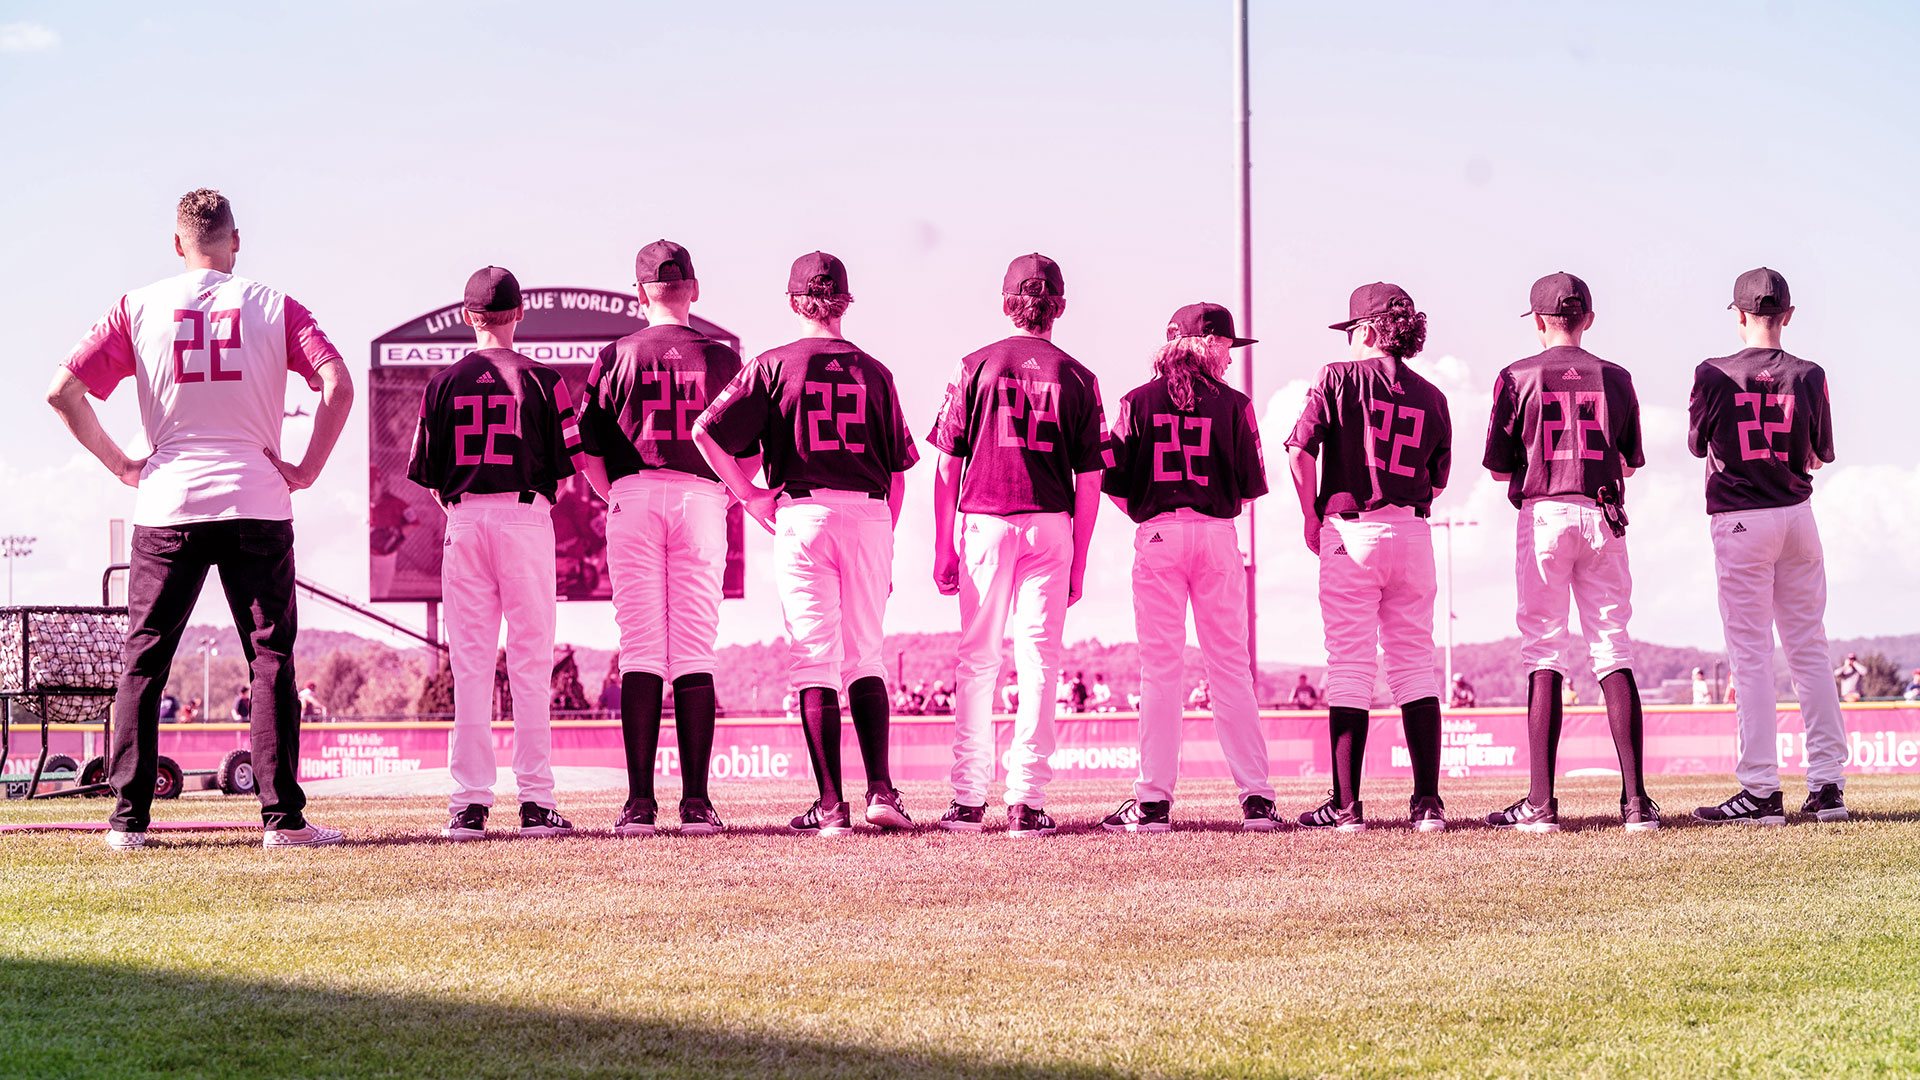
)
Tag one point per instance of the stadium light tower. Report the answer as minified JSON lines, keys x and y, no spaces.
{"x":1243,"y":170}
{"x":13,"y":549}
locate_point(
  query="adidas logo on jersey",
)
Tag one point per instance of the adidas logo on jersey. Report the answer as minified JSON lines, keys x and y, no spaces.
{"x":614,"y":509}
{"x":1764,"y":376}
{"x":670,"y":354}
{"x":1739,"y":527}
{"x":1154,"y":539}
{"x":485,"y":377}
{"x":1395,"y":387}
{"x":1031,"y":363}
{"x":1571,"y":375}
{"x":834,"y":365}
{"x":205,"y":296}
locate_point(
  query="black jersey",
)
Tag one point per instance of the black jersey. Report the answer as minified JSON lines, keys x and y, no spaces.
{"x":494,"y":422}
{"x":1382,"y":435}
{"x":643,"y":394}
{"x":1760,"y":417}
{"x":822,"y":413}
{"x":1206,"y":458}
{"x":1027,"y":418}
{"x":1565,"y":422}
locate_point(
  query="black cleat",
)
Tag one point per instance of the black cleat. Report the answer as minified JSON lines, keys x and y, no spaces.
{"x":1640,"y":814}
{"x":963,"y":818}
{"x":698,"y":819}
{"x":885,"y":810}
{"x":537,"y":820}
{"x":1744,"y":808}
{"x":1526,"y":817}
{"x":637,"y":818}
{"x":1825,"y":804}
{"x":1427,"y":813}
{"x":822,"y":820}
{"x":469,"y":823}
{"x":1135,"y":816}
{"x":1024,"y":820}
{"x":1258,"y":814}
{"x":1330,"y":815}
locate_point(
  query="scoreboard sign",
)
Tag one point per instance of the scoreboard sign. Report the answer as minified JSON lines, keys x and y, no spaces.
{"x":563,"y":328}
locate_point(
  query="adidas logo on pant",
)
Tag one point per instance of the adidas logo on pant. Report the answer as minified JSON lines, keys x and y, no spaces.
{"x":1739,"y":526}
{"x":1154,"y":539}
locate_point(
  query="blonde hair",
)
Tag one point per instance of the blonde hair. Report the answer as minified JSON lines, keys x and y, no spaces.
{"x":1181,"y":359}
{"x":821,"y":309}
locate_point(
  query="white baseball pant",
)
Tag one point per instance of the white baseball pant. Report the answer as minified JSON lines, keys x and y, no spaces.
{"x":1377,"y":588}
{"x":1179,"y":557}
{"x":1772,"y":573}
{"x":1562,"y":545}
{"x":667,"y":556}
{"x":1014,"y":578}
{"x":833,"y":566}
{"x":498,"y":561}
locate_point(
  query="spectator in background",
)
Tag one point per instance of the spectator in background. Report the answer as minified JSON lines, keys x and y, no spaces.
{"x":940,"y":702}
{"x":1912,"y":692}
{"x":1077,"y":693}
{"x":1102,"y":695}
{"x":243,"y":707}
{"x":1702,"y":690}
{"x":1010,"y":694}
{"x":609,"y":700}
{"x":1462,"y":694}
{"x":1849,"y":673}
{"x":1305,"y":694}
{"x":311,"y":707}
{"x":1570,"y":695}
{"x":189,"y":712}
{"x":902,"y":700}
{"x":169,"y":707}
{"x":791,"y":704}
{"x":1201,"y":699}
{"x":917,"y":701}
{"x":1133,"y":700}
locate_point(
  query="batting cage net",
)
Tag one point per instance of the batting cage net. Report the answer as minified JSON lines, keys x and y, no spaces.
{"x":62,"y":662}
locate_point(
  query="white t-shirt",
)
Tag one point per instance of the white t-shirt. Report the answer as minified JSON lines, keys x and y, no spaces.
{"x":209,"y":353}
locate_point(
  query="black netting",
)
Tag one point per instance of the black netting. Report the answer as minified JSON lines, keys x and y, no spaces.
{"x":62,"y":662}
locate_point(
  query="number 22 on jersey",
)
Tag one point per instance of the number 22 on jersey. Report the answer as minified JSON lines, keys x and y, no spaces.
{"x":682,"y":391}
{"x":1025,"y":404}
{"x":1175,"y":443}
{"x":1386,"y":432}
{"x":1746,"y":428}
{"x":477,"y":409}
{"x":197,"y":338}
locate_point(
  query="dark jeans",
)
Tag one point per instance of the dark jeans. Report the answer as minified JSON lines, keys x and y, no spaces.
{"x":255,"y":559}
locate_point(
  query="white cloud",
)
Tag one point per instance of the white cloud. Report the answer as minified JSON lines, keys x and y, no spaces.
{"x":23,"y":37}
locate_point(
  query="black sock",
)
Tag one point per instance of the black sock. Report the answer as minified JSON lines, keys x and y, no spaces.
{"x":867,"y":701}
{"x":1544,"y":717}
{"x":1625,"y":721}
{"x":1349,"y":730}
{"x":1421,"y":719}
{"x":820,"y":718}
{"x":640,"y":693}
{"x":693,"y":709}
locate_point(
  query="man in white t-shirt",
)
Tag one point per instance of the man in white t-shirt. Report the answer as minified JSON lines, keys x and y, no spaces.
{"x":209,"y":353}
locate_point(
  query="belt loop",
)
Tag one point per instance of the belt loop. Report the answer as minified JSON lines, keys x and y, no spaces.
{"x":526,"y":498}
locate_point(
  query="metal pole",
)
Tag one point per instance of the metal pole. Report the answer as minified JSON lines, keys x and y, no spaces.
{"x":1447,"y":692}
{"x":1243,"y":171}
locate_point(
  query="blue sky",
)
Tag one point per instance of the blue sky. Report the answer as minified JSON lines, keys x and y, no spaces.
{"x":377,"y":153}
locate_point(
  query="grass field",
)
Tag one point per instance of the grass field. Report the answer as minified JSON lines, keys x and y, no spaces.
{"x":1696,"y":951}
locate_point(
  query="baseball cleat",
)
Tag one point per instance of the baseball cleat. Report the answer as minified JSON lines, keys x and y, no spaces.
{"x":823,"y":820}
{"x":541,"y":821}
{"x":697,"y":818}
{"x":308,"y":835}
{"x":1523,"y":816}
{"x":1330,"y":815}
{"x":1024,"y":820}
{"x":1826,"y":804}
{"x":1135,"y":816}
{"x":1258,"y":814}
{"x":963,"y":818}
{"x":637,"y":818}
{"x":126,"y":841}
{"x":1744,"y":808}
{"x":885,"y":810}
{"x":467,"y":823}
{"x":1640,"y":814}
{"x":1427,"y":813}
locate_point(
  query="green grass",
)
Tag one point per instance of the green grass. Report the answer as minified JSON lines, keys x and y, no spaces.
{"x":1692,"y":952}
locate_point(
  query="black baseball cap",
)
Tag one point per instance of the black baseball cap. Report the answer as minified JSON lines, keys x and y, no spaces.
{"x":818,"y":274}
{"x":1372,"y":301}
{"x":1033,"y":275}
{"x":1205,"y":320}
{"x":492,"y":289}
{"x":1761,"y":292}
{"x":662,"y":260}
{"x":1560,"y":294}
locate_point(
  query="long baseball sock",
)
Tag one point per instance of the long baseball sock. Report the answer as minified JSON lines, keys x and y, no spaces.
{"x":1544,"y":717}
{"x":1349,"y":730}
{"x":640,"y":693}
{"x":1624,"y":720}
{"x":867,"y":701}
{"x":1421,"y":719}
{"x":693,"y":709}
{"x":820,"y":719}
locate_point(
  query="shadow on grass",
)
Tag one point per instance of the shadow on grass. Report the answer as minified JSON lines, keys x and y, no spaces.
{"x":75,"y":1020}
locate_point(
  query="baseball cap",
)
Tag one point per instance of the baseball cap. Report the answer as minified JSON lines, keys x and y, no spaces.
{"x":817,"y":274}
{"x":1372,"y":301}
{"x":1761,"y":292}
{"x":1560,"y":294}
{"x":492,"y":289}
{"x":662,"y":260}
{"x":1033,"y":275}
{"x":1205,"y":320}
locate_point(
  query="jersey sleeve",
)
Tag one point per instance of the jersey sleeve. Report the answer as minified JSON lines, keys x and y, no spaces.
{"x":105,"y":355}
{"x":1633,"y":453}
{"x":949,"y":433}
{"x":308,"y":349}
{"x":1504,"y":453}
{"x":1440,"y":466}
{"x":738,"y":417}
{"x":1121,"y":449}
{"x":906,"y":452}
{"x":1310,"y":431}
{"x":1820,"y":418}
{"x":1251,"y":461}
{"x":1090,"y":450}
{"x":591,"y":414}
{"x":1701,"y":413}
{"x":424,"y":466}
{"x":566,"y":429}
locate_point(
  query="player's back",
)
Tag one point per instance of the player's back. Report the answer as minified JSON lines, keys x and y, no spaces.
{"x":1205,"y":458}
{"x":494,"y":422}
{"x":1760,"y":417}
{"x":644,"y":393}
{"x":1027,"y":417}
{"x":1565,"y":422}
{"x":822,"y":412}
{"x":1383,"y":434}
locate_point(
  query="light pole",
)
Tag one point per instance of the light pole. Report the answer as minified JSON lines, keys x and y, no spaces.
{"x":15,"y":548}
{"x":1243,"y":170}
{"x":208,"y":650}
{"x":1450,"y":523}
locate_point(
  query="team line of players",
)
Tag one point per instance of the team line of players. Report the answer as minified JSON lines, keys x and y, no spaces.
{"x":812,"y":439}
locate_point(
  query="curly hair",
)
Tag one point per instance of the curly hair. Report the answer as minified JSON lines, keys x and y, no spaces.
{"x":204,"y":214}
{"x":821,"y":309}
{"x":1181,"y":360}
{"x":1402,"y":332}
{"x":1034,"y":314}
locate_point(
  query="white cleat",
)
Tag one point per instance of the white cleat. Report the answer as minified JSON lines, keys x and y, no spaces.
{"x":126,"y":841}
